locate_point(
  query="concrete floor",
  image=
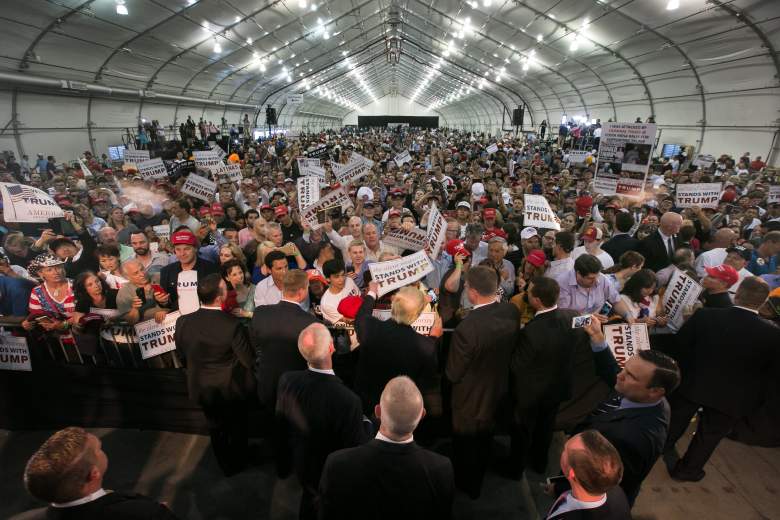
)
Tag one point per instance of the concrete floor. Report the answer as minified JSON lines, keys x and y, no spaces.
{"x":742,"y":482}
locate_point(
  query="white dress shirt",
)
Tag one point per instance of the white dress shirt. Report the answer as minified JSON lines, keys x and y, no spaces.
{"x":83,"y":500}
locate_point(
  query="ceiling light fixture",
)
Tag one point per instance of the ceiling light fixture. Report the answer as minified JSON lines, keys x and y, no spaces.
{"x":303,"y":4}
{"x":249,"y":41}
{"x":672,"y":5}
{"x":487,"y":3}
{"x":217,"y":46}
{"x":121,"y":8}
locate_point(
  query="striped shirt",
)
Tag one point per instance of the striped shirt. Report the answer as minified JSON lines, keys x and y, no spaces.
{"x":40,"y":304}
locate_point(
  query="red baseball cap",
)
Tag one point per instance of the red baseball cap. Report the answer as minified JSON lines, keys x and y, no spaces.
{"x":723,"y":272}
{"x":216,"y":209}
{"x":456,"y":247}
{"x":393,"y":213}
{"x":315,"y":276}
{"x":185,"y":238}
{"x":349,"y":306}
{"x":280,"y":211}
{"x":592,"y":233}
{"x":536,"y":257}
{"x":489,"y":213}
{"x":266,"y":207}
{"x":204,"y":210}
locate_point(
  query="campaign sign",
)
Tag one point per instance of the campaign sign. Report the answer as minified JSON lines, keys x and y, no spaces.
{"x":310,"y":168}
{"x":539,"y":214}
{"x":317,"y":153}
{"x":84,"y":169}
{"x":493,"y":148}
{"x":163,"y":231}
{"x":681,"y":292}
{"x":308,"y":191}
{"x":229,"y":172}
{"x":436,"y":233}
{"x":206,"y":159}
{"x":392,"y":274}
{"x":625,"y":151}
{"x":578,"y":156}
{"x":199,"y":187}
{"x":605,"y":185}
{"x":219,"y":151}
{"x":402,"y":158}
{"x":22,"y":203}
{"x":413,"y":239}
{"x":135,"y":156}
{"x":704,"y":195}
{"x":336,"y":198}
{"x":774,"y":195}
{"x":350,"y":172}
{"x":157,"y":338}
{"x":14,"y":354}
{"x":152,"y":169}
{"x":626,"y":340}
{"x":421,"y":325}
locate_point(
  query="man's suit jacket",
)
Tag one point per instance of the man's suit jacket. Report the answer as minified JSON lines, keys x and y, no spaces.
{"x":655,"y":251}
{"x":389,"y":349}
{"x":217,"y":354}
{"x":727,"y":357}
{"x":383,"y":480}
{"x":478,"y":365}
{"x":169,"y":277}
{"x":615,"y":508}
{"x":542,"y":365}
{"x":125,"y":506}
{"x":619,"y":244}
{"x":274,"y":332}
{"x":316,"y":414}
{"x":638,"y":434}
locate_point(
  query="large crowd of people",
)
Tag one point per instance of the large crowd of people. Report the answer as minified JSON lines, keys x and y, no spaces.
{"x":279,"y":317}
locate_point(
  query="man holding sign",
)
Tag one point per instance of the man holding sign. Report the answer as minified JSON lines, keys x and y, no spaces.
{"x":215,"y":350}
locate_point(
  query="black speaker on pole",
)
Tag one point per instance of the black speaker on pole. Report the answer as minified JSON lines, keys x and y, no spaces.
{"x":270,"y":115}
{"x":518,"y":115}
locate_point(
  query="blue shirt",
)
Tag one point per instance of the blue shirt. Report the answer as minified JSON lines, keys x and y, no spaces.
{"x":759,"y":266}
{"x":14,"y":295}
{"x":585,"y":300}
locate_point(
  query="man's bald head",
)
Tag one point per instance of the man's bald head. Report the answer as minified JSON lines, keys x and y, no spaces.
{"x":724,"y":237}
{"x":400,"y":408}
{"x":670,"y":223}
{"x":314,"y":344}
{"x":407,"y":305}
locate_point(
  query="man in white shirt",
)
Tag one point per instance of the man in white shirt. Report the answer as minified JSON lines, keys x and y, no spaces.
{"x":180,"y":216}
{"x":592,"y":239}
{"x":339,"y":287}
{"x":563,"y":262}
{"x":722,"y":239}
{"x":738,"y":257}
{"x":269,"y":290}
{"x":152,"y":262}
{"x":374,"y":246}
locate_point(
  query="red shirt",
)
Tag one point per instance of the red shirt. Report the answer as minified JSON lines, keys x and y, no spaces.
{"x":757,"y":165}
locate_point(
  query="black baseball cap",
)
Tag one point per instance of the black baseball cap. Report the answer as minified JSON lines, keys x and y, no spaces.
{"x":743,"y":252}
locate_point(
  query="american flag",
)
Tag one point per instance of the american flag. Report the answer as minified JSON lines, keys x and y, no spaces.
{"x":19,"y":192}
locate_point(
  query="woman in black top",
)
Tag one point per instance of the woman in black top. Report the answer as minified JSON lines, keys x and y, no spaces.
{"x":95,"y":302}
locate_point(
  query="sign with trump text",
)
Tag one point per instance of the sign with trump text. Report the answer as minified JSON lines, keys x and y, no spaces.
{"x":157,"y":338}
{"x":538,"y":213}
{"x":626,"y":340}
{"x":394,"y":274}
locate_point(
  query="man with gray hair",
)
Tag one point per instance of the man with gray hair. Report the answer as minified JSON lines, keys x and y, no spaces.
{"x":390,"y":476}
{"x":393,"y":347}
{"x":316,"y":414}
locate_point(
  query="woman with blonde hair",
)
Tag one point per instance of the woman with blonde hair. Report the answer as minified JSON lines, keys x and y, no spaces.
{"x":229,"y":252}
{"x":121,"y":222}
{"x":91,"y":222}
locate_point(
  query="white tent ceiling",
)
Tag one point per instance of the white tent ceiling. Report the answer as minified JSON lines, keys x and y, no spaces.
{"x":471,"y":62}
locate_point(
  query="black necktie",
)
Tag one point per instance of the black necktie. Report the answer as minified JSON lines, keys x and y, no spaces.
{"x":610,"y":405}
{"x":670,"y":247}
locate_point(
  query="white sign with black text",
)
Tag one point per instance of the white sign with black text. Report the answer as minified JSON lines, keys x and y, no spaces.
{"x":393,"y":274}
{"x":199,"y":187}
{"x":14,"y":353}
{"x":157,"y":338}
{"x":538,"y":213}
{"x":152,"y":169}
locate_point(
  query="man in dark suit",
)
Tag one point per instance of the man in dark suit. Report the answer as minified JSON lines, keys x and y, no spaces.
{"x":67,"y":472}
{"x":219,"y":359}
{"x":478,"y":367}
{"x":316,"y":414}
{"x":541,"y":373}
{"x":728,"y":356}
{"x":635,"y":419}
{"x":593,"y":469}
{"x":621,"y":241}
{"x":658,"y":248}
{"x":390,"y":477}
{"x":274,"y":332}
{"x":390,"y":348}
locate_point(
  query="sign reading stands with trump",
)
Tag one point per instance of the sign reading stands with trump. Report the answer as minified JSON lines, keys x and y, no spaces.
{"x":157,"y":338}
{"x":152,"y":169}
{"x":681,"y":292}
{"x":626,"y":340}
{"x":199,"y":187}
{"x":22,"y":203}
{"x":338,"y":198}
{"x":14,"y":354}
{"x":392,"y":274}
{"x":538,"y":213}
{"x":704,"y":195}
